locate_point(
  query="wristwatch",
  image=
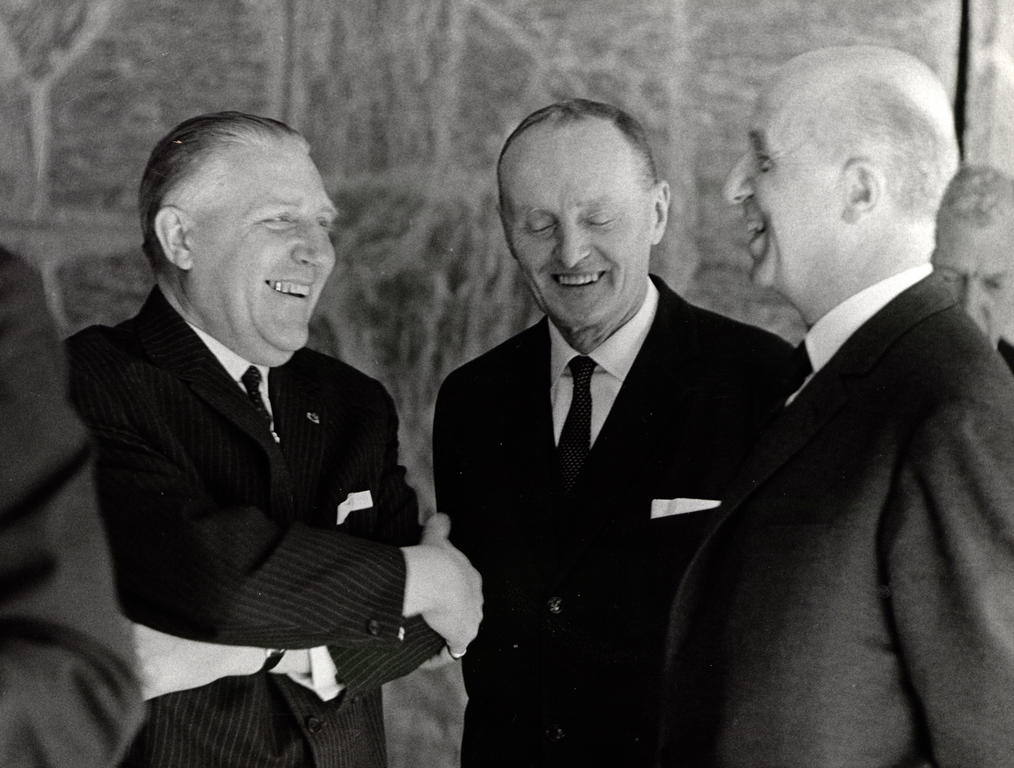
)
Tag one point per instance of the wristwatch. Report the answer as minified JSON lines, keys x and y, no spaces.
{"x":271,"y":658}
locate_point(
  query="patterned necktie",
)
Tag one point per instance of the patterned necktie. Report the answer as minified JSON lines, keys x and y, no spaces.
{"x":575,"y":438}
{"x":252,"y":382}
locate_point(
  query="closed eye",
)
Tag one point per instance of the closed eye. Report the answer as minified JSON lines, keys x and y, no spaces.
{"x":540,"y":225}
{"x":281,"y":221}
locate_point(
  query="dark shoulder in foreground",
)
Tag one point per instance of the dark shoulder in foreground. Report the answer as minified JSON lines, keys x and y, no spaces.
{"x":947,"y":357}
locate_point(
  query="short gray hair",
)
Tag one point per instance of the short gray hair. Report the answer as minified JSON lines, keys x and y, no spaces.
{"x":977,"y":195}
{"x":575,"y":110}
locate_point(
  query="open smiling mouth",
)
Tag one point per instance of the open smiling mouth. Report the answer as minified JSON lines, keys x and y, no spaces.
{"x":289,"y":288}
{"x":585,"y":278}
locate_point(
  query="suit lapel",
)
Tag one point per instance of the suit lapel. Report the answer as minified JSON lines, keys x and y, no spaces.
{"x":302,"y":419}
{"x":173,"y":346}
{"x":830,"y":389}
{"x":528,"y":429}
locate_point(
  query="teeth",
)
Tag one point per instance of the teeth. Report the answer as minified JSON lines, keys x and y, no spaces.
{"x":577,"y":279}
{"x":755,"y":227}
{"x":290,"y":288}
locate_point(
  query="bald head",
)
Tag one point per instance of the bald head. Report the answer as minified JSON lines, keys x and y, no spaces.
{"x":850,"y":152}
{"x":880,"y":104}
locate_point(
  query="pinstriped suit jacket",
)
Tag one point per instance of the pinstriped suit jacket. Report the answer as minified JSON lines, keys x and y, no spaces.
{"x":220,"y":534}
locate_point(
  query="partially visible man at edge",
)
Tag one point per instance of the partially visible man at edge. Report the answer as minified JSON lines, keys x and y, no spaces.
{"x":579,"y":460}
{"x":251,"y":487}
{"x":975,"y":250}
{"x":68,"y":694}
{"x":853,"y":603}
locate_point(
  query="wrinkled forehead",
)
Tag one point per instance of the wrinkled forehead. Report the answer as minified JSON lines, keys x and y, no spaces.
{"x":583,"y":158}
{"x":784,"y":113}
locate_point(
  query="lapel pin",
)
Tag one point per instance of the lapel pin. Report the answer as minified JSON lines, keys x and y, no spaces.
{"x":313,"y":417}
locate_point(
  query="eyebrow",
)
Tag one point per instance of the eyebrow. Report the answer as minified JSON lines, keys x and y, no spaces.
{"x":283,"y":202}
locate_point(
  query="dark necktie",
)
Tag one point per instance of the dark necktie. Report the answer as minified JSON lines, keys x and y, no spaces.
{"x":252,"y":382}
{"x":575,"y":438}
{"x":798,"y":369}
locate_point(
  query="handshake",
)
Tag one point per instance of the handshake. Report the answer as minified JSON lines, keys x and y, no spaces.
{"x":443,"y":587}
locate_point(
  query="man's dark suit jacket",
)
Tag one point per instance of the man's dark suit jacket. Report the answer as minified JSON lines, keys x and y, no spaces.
{"x":577,"y":590}
{"x":220,"y":534}
{"x":68,"y":695}
{"x":855,"y":604}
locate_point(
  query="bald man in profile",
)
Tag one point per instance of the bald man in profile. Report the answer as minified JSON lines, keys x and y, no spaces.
{"x":975,"y":250}
{"x":853,"y":603}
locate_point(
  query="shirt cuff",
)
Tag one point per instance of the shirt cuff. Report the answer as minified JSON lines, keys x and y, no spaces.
{"x":323,"y":677}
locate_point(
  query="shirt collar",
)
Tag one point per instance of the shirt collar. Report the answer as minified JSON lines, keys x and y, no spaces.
{"x":616,"y":354}
{"x":234,"y":365}
{"x":829,"y":333}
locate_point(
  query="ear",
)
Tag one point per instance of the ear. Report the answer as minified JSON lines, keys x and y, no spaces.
{"x":173,"y":230}
{"x":863,"y":188}
{"x":660,"y":209}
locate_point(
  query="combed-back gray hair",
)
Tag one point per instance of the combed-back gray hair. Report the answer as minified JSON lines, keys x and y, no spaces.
{"x":186,"y":149}
{"x":978,"y":195}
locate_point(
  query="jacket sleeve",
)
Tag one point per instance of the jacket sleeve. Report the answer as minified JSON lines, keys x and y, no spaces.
{"x":361,"y":668}
{"x":192,"y":564}
{"x":948,"y":554}
{"x":69,"y":693}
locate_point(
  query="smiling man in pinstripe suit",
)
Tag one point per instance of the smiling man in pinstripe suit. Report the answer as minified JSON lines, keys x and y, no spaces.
{"x":251,"y":487}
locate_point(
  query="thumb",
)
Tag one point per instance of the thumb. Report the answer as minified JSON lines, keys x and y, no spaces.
{"x":436,"y":530}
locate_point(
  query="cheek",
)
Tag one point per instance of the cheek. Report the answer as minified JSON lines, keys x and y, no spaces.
{"x":533,"y":256}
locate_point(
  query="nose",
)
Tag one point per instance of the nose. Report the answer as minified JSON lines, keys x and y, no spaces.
{"x":314,"y":246}
{"x":573,"y":246}
{"x":738,"y":185}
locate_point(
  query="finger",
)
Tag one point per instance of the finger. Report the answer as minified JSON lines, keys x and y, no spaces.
{"x":436,"y":529}
{"x":456,"y":655}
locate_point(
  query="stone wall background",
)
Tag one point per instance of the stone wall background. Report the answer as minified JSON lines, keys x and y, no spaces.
{"x":406,"y":104}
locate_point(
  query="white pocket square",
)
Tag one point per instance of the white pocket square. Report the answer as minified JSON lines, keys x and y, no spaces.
{"x":356,"y":500}
{"x":669,"y":507}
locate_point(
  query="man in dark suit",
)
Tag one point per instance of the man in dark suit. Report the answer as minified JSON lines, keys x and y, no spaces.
{"x":68,"y":693}
{"x":251,"y":487}
{"x":579,"y":489}
{"x":975,"y":250}
{"x":854,"y":603}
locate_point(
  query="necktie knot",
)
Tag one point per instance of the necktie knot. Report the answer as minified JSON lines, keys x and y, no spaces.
{"x":251,"y":379}
{"x":581,"y":368}
{"x":575,"y":438}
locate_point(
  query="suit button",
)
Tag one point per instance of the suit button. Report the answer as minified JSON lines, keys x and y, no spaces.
{"x":373,"y":627}
{"x":555,"y":733}
{"x":555,"y":604}
{"x":314,"y":724}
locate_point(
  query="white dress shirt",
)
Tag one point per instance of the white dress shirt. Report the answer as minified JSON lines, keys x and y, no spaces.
{"x":322,"y":678}
{"x":614,"y":358}
{"x":831,"y":331}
